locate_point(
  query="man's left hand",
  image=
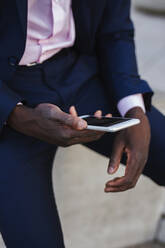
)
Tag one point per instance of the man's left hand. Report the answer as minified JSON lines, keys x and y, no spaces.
{"x":133,"y":141}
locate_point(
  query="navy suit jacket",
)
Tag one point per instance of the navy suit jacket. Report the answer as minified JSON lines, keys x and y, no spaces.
{"x":103,"y":29}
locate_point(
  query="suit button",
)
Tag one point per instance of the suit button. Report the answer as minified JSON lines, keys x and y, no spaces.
{"x":13,"y":61}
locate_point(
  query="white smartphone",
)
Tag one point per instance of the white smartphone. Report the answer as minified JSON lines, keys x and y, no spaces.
{"x":109,"y":124}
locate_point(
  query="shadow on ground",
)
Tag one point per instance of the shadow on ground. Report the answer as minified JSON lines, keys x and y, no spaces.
{"x":148,"y":245}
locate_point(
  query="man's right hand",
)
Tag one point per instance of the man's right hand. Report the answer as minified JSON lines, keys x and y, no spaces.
{"x":49,"y":123}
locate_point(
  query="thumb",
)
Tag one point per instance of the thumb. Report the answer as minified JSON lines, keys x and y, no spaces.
{"x":115,"y":158}
{"x":72,"y":121}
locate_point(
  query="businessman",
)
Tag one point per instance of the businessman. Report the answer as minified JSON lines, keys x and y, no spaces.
{"x":58,"y":60}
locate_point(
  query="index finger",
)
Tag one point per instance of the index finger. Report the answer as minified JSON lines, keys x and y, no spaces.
{"x":132,"y":173}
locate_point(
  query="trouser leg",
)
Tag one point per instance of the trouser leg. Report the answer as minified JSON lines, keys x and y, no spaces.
{"x":155,"y":167}
{"x":28,"y":212}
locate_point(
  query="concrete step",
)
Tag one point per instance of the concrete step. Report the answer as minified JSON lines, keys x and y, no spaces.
{"x":153,"y":6}
{"x":148,"y":245}
{"x":159,"y":101}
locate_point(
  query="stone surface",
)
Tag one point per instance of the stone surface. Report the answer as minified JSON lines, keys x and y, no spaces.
{"x":148,"y":245}
{"x":161,"y":231}
{"x":150,"y":47}
{"x":151,"y":4}
{"x":90,"y":218}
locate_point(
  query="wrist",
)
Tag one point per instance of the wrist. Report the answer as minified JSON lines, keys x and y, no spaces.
{"x":20,"y":116}
{"x":144,"y":125}
{"x":136,"y":112}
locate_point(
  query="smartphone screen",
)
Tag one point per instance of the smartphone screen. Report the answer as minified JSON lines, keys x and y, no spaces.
{"x":104,"y":121}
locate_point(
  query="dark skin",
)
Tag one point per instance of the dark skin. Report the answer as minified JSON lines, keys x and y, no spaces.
{"x":49,"y":123}
{"x":133,"y":141}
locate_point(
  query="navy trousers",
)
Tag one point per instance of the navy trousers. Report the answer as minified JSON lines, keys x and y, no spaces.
{"x":28,"y":212}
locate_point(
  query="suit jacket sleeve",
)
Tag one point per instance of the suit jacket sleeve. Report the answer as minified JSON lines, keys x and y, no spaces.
{"x":8,"y":101}
{"x":116,"y":51}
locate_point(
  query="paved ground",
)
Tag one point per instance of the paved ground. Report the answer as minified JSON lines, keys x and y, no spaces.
{"x":152,"y":61}
{"x":148,"y":245}
{"x":150,"y":48}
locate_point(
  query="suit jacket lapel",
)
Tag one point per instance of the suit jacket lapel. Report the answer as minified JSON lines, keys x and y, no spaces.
{"x":22,"y":11}
{"x":87,"y":14}
{"x":82,"y":21}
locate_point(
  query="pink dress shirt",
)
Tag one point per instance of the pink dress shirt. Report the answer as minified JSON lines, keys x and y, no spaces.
{"x":50,"y":29}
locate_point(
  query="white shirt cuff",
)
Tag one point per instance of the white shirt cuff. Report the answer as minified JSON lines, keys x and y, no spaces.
{"x":129,"y":102}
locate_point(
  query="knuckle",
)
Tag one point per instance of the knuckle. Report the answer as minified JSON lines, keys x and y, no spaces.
{"x":136,"y":159}
{"x":65,"y":144}
{"x":67,"y":118}
{"x":70,"y":120}
{"x":112,"y":159}
{"x":140,"y":157}
{"x":65,"y":139}
{"x":45,"y":111}
{"x":51,"y":112}
{"x":129,"y":182}
{"x":132,"y":185}
{"x":67,"y":136}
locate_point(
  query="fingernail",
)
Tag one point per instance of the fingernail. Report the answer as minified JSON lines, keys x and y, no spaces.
{"x":111,"y":170}
{"x":81,"y":124}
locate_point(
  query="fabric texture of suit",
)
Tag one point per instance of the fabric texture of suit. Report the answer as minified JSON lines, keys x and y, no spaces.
{"x":104,"y":34}
{"x":94,"y":74}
